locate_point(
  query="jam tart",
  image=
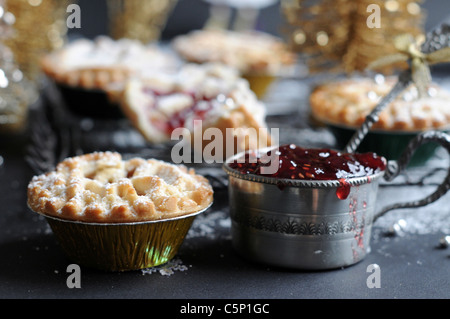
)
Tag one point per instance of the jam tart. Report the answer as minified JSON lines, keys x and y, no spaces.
{"x":251,"y":52}
{"x":102,"y":187}
{"x":212,"y":93}
{"x":349,"y":101}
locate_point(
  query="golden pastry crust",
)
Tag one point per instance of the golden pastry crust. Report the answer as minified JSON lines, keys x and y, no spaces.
{"x":348,"y":102}
{"x":102,"y":187}
{"x":103,"y":63}
{"x":249,"y":52}
{"x":88,"y":78}
{"x":212,"y":93}
{"x":243,"y":127}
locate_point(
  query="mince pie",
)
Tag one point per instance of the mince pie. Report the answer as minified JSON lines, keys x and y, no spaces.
{"x":249,"y":52}
{"x":103,"y":187}
{"x":349,"y":101}
{"x":104,"y":63}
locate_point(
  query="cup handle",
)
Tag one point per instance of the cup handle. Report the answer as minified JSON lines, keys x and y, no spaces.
{"x":394,"y":168}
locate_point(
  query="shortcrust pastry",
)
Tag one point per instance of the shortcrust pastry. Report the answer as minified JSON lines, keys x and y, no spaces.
{"x":348,"y":102}
{"x":103,"y":187}
{"x":211,"y":93}
{"x":104,"y":63}
{"x":250,"y":52}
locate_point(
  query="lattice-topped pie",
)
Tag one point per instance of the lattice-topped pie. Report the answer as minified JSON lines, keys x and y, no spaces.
{"x":103,"y":187}
{"x":348,"y":102}
{"x":104,"y":63}
{"x":211,"y":93}
{"x":248,"y":52}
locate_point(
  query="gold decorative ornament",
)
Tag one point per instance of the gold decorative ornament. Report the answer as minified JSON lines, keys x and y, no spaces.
{"x":409,"y":51}
{"x":40,"y":27}
{"x":334,"y":35}
{"x":16,"y":93}
{"x":138,"y":19}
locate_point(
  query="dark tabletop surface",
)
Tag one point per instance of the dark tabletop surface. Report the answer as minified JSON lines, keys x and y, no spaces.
{"x":33,"y":266}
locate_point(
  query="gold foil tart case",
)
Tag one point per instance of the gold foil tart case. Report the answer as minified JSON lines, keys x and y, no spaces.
{"x":121,"y":246}
{"x":259,"y":83}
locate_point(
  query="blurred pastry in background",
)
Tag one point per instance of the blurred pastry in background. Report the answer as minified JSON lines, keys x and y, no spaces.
{"x":343,"y":106}
{"x":212,"y":93}
{"x":259,"y":57}
{"x":349,"y":101}
{"x":89,"y":72}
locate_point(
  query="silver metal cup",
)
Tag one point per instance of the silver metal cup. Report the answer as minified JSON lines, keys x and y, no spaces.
{"x":303,"y":224}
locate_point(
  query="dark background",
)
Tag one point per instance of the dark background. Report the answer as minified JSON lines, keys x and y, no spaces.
{"x":192,"y":14}
{"x":187,"y":15}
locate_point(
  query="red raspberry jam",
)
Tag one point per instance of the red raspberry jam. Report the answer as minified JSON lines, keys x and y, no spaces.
{"x":295,"y":162}
{"x":196,"y":111}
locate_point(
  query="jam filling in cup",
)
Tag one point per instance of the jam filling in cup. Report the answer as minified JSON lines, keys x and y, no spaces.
{"x":295,"y":163}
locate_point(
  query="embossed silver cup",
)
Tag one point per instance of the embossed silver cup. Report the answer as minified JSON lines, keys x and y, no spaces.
{"x":304,"y":225}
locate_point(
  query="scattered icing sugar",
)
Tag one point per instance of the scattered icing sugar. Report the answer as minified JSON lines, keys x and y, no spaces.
{"x":433,"y":218}
{"x":166,"y":269}
{"x":210,"y":225}
{"x":420,"y":222}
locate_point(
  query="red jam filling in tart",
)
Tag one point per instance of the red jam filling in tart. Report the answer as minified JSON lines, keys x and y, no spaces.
{"x":197,"y":110}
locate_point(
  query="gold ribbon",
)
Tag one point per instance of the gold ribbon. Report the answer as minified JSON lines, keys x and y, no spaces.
{"x":408,"y":49}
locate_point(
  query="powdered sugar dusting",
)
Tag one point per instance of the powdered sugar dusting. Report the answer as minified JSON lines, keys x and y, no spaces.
{"x":415,"y":184}
{"x":166,"y":269}
{"x":420,"y":222}
{"x":211,"y":225}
